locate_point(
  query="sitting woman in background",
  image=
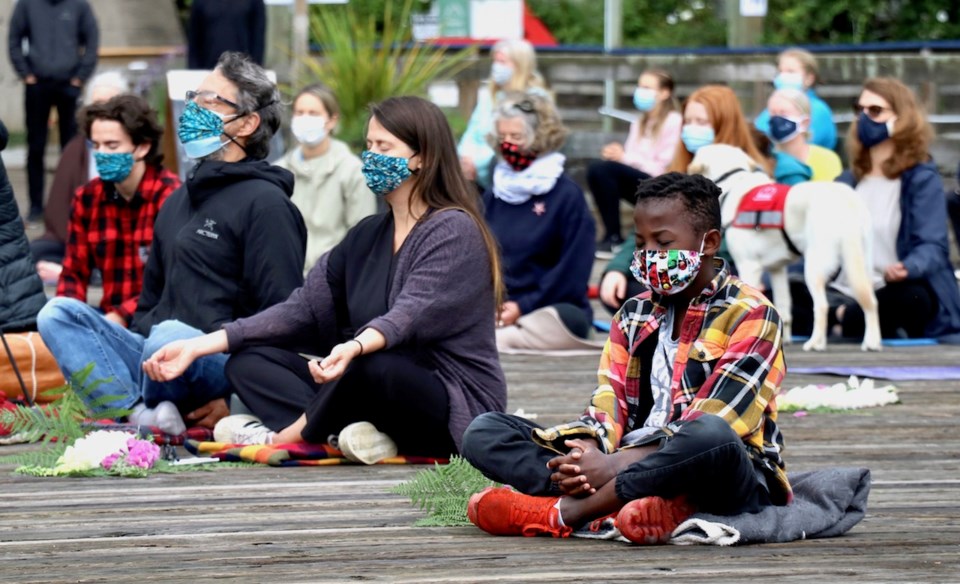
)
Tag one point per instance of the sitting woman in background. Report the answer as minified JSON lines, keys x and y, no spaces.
{"x":796,"y":159}
{"x":797,"y":69}
{"x":892,"y":172}
{"x":402,"y":307}
{"x":649,"y":148}
{"x":711,"y":115}
{"x":539,"y":216}
{"x":75,"y":169}
{"x":514,"y":69}
{"x":329,"y":188}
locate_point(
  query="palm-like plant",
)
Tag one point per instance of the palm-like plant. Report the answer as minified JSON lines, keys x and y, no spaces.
{"x":362,"y":65}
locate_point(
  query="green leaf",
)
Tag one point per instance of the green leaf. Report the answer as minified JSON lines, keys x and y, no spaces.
{"x":444,"y":491}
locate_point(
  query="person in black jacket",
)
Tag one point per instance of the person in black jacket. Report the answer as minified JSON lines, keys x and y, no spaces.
{"x":217,"y":26}
{"x":62,"y":40}
{"x":227,"y":244}
{"x":21,"y":291}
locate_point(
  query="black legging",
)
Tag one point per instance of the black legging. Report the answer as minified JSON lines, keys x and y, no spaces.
{"x":401,"y":397}
{"x":610,"y":182}
{"x":908,"y":306}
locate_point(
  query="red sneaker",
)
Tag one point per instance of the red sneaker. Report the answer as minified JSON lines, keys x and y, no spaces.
{"x":651,"y":520}
{"x":503,"y":511}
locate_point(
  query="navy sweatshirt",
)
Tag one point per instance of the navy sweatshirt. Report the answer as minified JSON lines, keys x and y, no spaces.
{"x":62,"y":39}
{"x":547,"y":245}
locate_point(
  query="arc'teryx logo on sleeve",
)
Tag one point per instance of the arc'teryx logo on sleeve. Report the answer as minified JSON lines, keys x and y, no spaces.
{"x":208,"y":229}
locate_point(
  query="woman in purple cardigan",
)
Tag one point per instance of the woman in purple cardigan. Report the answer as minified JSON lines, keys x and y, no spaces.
{"x":403,"y":308}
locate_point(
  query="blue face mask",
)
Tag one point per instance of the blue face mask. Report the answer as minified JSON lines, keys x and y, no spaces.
{"x":501,"y":73}
{"x":696,"y":137}
{"x":784,"y":129}
{"x":200,"y":130}
{"x":382,"y":173}
{"x":789,"y":81}
{"x":644,"y":99}
{"x":113,"y":166}
{"x":871,"y":133}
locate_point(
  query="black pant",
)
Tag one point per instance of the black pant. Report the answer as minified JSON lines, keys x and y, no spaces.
{"x":400,"y":396}
{"x":704,"y":460}
{"x":953,"y":210}
{"x":47,"y":250}
{"x":40,"y":98}
{"x":610,"y":182}
{"x":903,"y":307}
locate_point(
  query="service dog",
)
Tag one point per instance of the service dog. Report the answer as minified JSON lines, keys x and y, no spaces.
{"x":825,"y":222}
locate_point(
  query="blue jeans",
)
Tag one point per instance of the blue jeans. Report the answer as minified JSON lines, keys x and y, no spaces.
{"x":78,"y":334}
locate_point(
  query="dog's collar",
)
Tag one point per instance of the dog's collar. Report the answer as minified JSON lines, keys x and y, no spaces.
{"x":727,"y":175}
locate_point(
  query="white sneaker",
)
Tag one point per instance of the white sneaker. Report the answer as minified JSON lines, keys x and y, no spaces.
{"x":362,"y":442}
{"x":141,"y":415}
{"x":241,"y":429}
{"x":168,"y":418}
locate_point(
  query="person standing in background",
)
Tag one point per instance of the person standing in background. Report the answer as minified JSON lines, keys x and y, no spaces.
{"x":53,"y":48}
{"x":217,"y":26}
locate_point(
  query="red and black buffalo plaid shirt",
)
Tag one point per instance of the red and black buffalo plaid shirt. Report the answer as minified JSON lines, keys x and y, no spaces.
{"x":110,"y":233}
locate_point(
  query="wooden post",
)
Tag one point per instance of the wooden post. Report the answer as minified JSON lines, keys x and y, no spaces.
{"x":612,"y":39}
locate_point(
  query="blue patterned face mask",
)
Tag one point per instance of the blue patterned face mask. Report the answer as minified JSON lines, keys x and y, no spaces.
{"x":113,"y":166}
{"x":383,"y":173}
{"x":200,"y":130}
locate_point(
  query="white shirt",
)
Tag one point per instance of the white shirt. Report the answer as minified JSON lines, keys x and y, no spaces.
{"x":881,"y":195}
{"x":661,"y":379}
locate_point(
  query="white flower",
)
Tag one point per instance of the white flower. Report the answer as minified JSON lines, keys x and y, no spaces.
{"x":87,"y":452}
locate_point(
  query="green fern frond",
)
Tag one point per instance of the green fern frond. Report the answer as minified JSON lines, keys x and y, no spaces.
{"x":443,"y":492}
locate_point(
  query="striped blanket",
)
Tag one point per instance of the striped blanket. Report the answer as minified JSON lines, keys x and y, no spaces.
{"x":289,"y":454}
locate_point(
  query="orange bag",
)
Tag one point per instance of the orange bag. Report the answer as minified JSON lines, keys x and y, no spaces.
{"x":37,"y":367}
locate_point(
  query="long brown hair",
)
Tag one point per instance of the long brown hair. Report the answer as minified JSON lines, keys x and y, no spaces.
{"x":439,"y":183}
{"x":729,"y":126}
{"x":911,"y":137}
{"x":652,"y":120}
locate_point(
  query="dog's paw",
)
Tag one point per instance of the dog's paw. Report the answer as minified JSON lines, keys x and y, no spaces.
{"x":815,"y":344}
{"x":871,"y":345}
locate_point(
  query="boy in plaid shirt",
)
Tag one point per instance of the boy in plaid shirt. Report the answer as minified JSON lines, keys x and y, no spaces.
{"x":684,"y":416}
{"x":111,"y":221}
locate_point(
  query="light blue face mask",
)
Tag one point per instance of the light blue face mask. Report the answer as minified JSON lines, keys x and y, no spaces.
{"x":789,"y":81}
{"x":696,"y":137}
{"x":501,"y":73}
{"x":644,"y":99}
{"x":383,"y":173}
{"x":200,"y":130}
{"x":113,"y":166}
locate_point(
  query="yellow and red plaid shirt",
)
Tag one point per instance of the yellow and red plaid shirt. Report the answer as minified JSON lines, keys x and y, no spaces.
{"x":729,"y":363}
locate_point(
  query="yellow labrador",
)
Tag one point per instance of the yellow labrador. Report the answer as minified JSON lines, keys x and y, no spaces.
{"x":825,"y":222}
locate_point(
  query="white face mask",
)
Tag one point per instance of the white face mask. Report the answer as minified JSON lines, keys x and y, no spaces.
{"x":309,"y":130}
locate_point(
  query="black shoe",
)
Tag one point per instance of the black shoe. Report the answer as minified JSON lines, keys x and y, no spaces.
{"x":609,"y":247}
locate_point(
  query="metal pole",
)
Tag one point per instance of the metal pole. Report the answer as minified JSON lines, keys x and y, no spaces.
{"x":301,"y":39}
{"x":612,"y":39}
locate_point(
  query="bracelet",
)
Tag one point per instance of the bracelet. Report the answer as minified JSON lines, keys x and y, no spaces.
{"x":357,"y":341}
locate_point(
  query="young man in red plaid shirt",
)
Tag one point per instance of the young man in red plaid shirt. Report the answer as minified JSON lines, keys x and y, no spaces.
{"x":111,"y":221}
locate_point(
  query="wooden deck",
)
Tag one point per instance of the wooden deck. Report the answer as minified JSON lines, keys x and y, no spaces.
{"x":341,"y":524}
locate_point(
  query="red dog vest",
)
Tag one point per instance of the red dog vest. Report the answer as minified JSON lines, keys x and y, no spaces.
{"x":762,"y":208}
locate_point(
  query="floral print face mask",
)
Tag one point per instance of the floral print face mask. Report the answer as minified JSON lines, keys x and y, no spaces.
{"x":383,"y":173}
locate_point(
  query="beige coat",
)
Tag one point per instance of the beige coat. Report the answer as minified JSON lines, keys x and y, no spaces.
{"x":330,"y":193}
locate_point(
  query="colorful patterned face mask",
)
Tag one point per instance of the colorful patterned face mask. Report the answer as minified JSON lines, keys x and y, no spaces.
{"x":518,"y":161}
{"x":383,"y":173}
{"x":113,"y":166}
{"x":200,"y":130}
{"x":666,"y":271}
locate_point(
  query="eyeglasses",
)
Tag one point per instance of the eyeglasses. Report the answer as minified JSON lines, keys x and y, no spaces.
{"x":873,"y":111}
{"x":526,"y":106}
{"x":208,"y":98}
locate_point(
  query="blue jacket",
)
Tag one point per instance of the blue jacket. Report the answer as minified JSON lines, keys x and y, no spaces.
{"x":922,"y":243}
{"x":822,"y":129}
{"x":789,"y":170}
{"x":547,"y":246}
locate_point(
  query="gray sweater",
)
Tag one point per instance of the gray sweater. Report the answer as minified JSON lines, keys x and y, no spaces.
{"x":441,"y":301}
{"x":55,"y":31}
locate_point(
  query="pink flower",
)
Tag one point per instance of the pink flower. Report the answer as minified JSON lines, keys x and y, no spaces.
{"x":142,"y":453}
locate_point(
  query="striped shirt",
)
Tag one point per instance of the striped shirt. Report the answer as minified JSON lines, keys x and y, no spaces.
{"x":110,"y":233}
{"x":729,"y":363}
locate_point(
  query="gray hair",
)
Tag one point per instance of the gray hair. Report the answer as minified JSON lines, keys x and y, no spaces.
{"x":543,"y":129}
{"x":509,"y":109}
{"x":255,"y":94}
{"x":113,"y":79}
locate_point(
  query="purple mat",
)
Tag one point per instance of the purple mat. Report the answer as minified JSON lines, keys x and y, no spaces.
{"x":904,"y":373}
